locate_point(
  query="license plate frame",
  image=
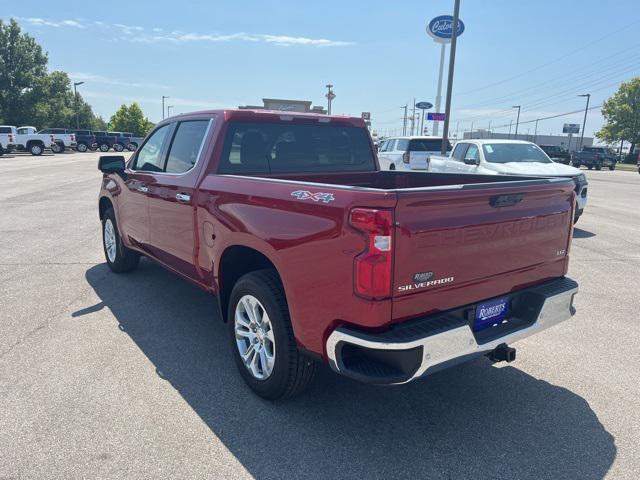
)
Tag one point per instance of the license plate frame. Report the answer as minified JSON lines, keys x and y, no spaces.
{"x":490,"y":313}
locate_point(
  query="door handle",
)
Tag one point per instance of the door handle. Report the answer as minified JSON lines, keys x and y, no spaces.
{"x":143,"y":188}
{"x":183,"y":197}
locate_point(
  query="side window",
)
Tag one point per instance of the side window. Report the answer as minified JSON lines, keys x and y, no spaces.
{"x":185,"y":147}
{"x":402,"y":144}
{"x":472,"y":153}
{"x":46,"y":130}
{"x":149,"y":157}
{"x":459,"y":151}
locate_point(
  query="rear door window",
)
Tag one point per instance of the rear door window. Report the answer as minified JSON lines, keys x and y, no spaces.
{"x":285,"y":147}
{"x":5,"y":129}
{"x":459,"y":151}
{"x":402,"y":145}
{"x":186,"y":145}
{"x":424,"y":145}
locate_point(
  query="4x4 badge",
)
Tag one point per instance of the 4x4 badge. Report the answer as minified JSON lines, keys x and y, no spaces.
{"x":316,"y":197}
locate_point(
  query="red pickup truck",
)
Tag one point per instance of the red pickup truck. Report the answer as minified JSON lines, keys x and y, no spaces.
{"x":315,"y":255}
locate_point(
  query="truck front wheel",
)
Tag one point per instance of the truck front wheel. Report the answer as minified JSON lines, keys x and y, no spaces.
{"x":36,"y":148}
{"x":262,"y":338}
{"x":104,"y":147}
{"x":120,"y":259}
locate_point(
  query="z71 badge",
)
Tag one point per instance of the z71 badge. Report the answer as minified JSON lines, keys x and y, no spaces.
{"x":316,"y":197}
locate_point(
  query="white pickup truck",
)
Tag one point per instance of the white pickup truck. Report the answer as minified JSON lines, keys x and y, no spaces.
{"x":63,"y":138}
{"x":35,"y":143}
{"x":7,"y":139}
{"x":508,"y":157}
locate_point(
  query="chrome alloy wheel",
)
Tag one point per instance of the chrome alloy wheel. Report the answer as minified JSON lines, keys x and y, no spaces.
{"x":110,"y":240}
{"x":254,"y":337}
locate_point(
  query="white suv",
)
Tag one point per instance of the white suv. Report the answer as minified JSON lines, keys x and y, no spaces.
{"x":408,"y":153}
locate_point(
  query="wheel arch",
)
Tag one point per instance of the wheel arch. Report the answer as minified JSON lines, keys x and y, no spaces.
{"x":236,"y":261}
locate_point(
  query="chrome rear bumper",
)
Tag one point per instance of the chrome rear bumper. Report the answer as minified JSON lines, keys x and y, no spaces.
{"x":419,"y":347}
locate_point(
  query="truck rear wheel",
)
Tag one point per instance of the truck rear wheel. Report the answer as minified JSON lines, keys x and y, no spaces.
{"x":57,"y":147}
{"x":104,"y":147}
{"x":262,"y":338}
{"x":36,"y":148}
{"x":120,"y":259}
{"x":82,"y":147}
{"x":118,"y":147}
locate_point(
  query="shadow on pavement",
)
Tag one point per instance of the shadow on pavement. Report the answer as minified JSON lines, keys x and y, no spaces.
{"x":579,"y":233}
{"x":473,"y":421}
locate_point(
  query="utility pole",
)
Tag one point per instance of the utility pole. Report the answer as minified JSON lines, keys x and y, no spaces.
{"x":489,"y":129}
{"x":518,"y":119}
{"x":584,"y":122}
{"x":75,"y":96}
{"x":163,"y":97}
{"x":472,"y":129}
{"x":452,"y":62}
{"x":510,"y":123}
{"x":436,"y":124}
{"x":413,"y":115}
{"x":535,"y":133}
{"x":169,"y":107}
{"x":404,"y":121}
{"x":457,"y":129}
{"x":330,"y":96}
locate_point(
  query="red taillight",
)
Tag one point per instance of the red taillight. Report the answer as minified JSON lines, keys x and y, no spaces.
{"x":11,"y":138}
{"x":53,"y":140}
{"x":372,"y":268}
{"x":73,"y":137}
{"x":405,"y":157}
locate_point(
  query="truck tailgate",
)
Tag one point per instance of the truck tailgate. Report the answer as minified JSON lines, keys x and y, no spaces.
{"x":460,"y":245}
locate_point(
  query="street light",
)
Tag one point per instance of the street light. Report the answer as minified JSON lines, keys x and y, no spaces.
{"x":169,"y":107}
{"x":163,"y":97}
{"x":584,"y":122}
{"x":518,"y":119}
{"x":330,"y":96}
{"x":452,"y":62}
{"x":75,"y":95}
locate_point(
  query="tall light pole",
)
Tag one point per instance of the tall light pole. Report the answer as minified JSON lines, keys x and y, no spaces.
{"x":163,"y":97}
{"x":452,"y":62}
{"x":169,"y":107}
{"x":584,"y":122}
{"x":330,"y":96}
{"x":517,"y":120}
{"x":535,"y":134}
{"x":404,"y":120}
{"x":75,"y":96}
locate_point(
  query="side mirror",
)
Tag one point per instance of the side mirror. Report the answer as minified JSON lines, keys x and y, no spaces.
{"x":471,"y":161}
{"x":111,"y":164}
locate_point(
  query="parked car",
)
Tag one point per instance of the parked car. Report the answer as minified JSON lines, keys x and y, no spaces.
{"x":64,"y":139}
{"x":595,"y":157}
{"x":35,"y":143}
{"x":7,"y":139}
{"x":134,"y":141}
{"x":509,"y":157}
{"x":104,"y":140}
{"x":121,"y":141}
{"x":556,"y":153}
{"x":314,"y":254}
{"x":85,"y":140}
{"x":408,"y":153}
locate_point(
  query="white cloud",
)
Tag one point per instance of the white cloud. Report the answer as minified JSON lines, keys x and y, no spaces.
{"x":41,"y":22}
{"x":135,"y":33}
{"x":94,"y":78}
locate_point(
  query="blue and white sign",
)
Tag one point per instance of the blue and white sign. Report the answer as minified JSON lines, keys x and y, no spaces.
{"x":441,"y":28}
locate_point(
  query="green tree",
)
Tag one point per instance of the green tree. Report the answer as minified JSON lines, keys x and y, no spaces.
{"x":621,"y":113}
{"x":23,"y":66}
{"x":130,"y":119}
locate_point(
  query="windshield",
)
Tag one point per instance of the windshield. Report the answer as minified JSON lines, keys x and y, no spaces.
{"x":514,"y":152}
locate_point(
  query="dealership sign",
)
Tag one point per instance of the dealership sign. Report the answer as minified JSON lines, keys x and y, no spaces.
{"x":441,"y":28}
{"x":424,"y":105}
{"x":438,"y":117}
{"x":571,"y":128}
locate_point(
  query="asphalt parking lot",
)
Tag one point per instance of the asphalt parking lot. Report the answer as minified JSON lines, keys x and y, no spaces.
{"x":106,"y":376}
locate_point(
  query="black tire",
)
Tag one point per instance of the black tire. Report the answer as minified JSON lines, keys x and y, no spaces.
{"x":132,"y":147}
{"x":292,"y":370}
{"x":36,"y":148}
{"x":82,"y":147}
{"x":392,"y":167}
{"x":612,"y":167}
{"x":118,"y":147}
{"x":92,"y":148}
{"x":125,"y":259}
{"x":598,"y":166}
{"x":590,"y":167}
{"x":1,"y":151}
{"x":58,"y":147}
{"x":104,"y":147}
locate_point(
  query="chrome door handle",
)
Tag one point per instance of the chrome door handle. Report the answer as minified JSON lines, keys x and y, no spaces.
{"x":143,"y":188}
{"x":183,"y":197}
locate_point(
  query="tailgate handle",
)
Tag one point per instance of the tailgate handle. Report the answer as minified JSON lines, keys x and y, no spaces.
{"x":506,"y":200}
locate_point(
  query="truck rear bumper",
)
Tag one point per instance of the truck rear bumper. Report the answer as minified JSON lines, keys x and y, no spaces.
{"x":422,"y":346}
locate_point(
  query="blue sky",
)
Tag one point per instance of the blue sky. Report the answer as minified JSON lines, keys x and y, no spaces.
{"x":205,"y":54}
